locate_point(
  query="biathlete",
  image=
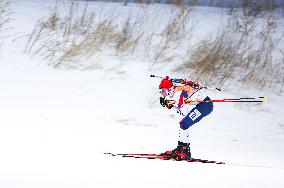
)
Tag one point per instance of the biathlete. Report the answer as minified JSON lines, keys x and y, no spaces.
{"x":177,"y":94}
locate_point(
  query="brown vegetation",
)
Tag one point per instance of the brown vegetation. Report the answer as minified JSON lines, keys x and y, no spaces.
{"x":242,"y":51}
{"x":4,"y":17}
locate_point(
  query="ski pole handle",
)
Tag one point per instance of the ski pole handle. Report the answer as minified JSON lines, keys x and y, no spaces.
{"x":154,"y":76}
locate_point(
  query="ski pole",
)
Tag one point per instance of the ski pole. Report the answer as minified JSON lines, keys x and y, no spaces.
{"x":249,"y":99}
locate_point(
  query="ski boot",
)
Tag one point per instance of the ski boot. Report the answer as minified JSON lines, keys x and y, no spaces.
{"x":181,"y":152}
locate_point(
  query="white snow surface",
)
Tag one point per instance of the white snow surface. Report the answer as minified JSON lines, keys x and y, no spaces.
{"x":56,"y":124}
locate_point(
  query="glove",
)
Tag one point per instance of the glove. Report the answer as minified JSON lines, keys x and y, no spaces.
{"x":162,"y":101}
{"x":166,"y":103}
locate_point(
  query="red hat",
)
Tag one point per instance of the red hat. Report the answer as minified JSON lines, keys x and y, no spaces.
{"x":166,"y":83}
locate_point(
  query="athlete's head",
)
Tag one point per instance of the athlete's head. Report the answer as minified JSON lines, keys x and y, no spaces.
{"x":166,"y":86}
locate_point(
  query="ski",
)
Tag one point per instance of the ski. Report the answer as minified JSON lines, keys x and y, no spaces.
{"x":161,"y":157}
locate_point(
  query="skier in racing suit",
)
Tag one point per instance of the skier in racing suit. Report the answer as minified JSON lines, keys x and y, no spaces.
{"x":176,"y":94}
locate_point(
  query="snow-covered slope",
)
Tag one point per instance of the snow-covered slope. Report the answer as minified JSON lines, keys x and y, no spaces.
{"x":55,"y":125}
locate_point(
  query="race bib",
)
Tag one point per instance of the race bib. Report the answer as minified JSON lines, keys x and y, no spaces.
{"x":194,"y":114}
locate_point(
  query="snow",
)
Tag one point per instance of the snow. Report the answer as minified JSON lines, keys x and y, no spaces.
{"x":55,"y":124}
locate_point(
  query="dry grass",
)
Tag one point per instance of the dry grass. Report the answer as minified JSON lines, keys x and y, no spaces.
{"x":67,"y":38}
{"x":129,"y":36}
{"x":173,"y":34}
{"x":234,"y":54}
{"x":4,"y":17}
{"x":62,"y":39}
{"x":238,"y":55}
{"x":263,"y":70}
{"x":149,"y":35}
{"x":280,"y":75}
{"x":93,"y":42}
{"x":215,"y":60}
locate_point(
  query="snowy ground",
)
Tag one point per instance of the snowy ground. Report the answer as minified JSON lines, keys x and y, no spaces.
{"x":55,"y":124}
